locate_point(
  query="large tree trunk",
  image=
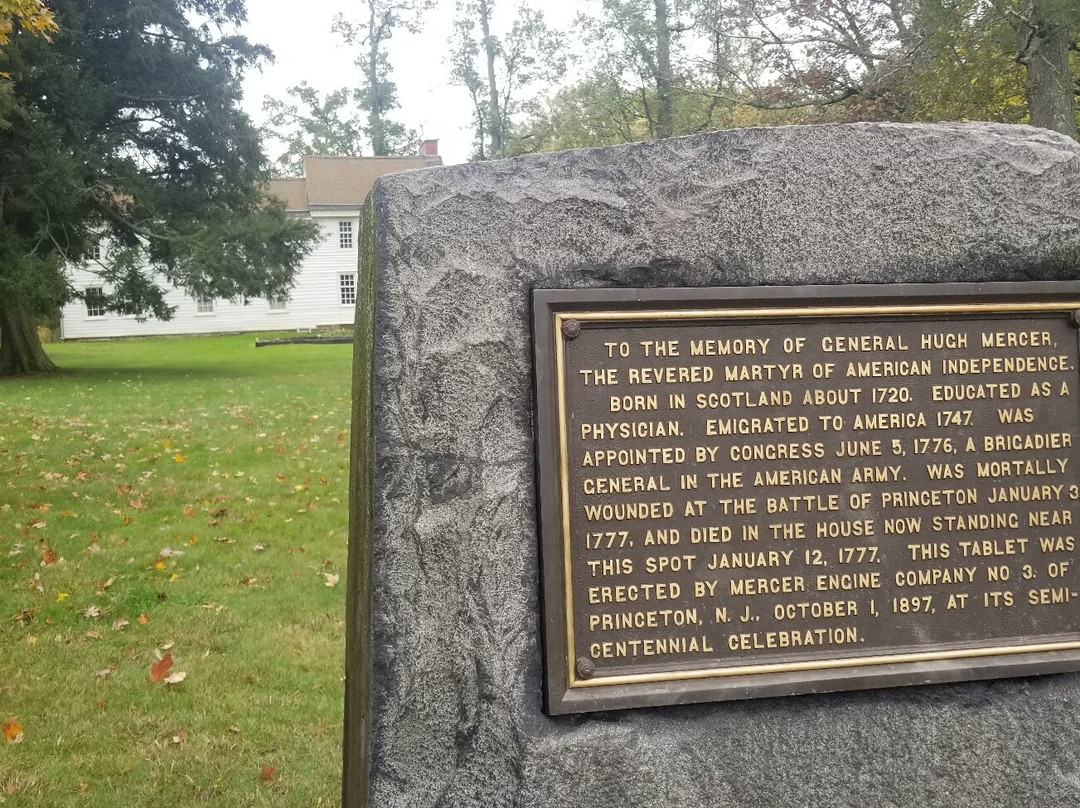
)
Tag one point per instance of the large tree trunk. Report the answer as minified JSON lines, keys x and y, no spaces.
{"x":664,"y":102}
{"x":1050,"y":89}
{"x":495,"y":128}
{"x":20,"y":348}
{"x":376,"y":120}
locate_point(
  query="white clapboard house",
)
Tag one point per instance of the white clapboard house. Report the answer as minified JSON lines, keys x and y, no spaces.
{"x":331,"y":192}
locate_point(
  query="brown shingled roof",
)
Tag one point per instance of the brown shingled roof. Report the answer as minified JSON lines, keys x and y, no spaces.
{"x":293,"y":192}
{"x":341,"y":182}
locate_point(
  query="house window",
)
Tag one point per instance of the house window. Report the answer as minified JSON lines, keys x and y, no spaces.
{"x":95,"y":301}
{"x":277,"y":303}
{"x":95,"y":252}
{"x":204,"y":305}
{"x":345,"y":235}
{"x":348,"y":289}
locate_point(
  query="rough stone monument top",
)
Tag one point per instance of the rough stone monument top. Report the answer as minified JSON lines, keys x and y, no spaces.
{"x":444,"y":689}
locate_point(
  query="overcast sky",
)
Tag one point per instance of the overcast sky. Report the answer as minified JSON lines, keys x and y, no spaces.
{"x":306,"y":50}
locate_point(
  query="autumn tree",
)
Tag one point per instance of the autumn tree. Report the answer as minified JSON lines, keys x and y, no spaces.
{"x":888,"y":53}
{"x":656,"y":68}
{"x":502,"y":74}
{"x":32,"y":16}
{"x":128,"y":127}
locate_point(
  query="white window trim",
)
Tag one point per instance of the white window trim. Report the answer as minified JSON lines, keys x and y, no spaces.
{"x":88,"y":315}
{"x":199,"y":301}
{"x":346,"y":233}
{"x":341,"y":288}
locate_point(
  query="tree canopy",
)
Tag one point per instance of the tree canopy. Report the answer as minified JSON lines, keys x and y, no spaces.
{"x":127,"y":126}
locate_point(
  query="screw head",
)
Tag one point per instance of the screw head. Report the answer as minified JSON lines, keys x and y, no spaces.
{"x":585,"y":668}
{"x":1074,"y":318}
{"x":571,"y":329}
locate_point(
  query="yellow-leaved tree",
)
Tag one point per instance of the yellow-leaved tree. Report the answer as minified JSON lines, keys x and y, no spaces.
{"x":30,"y":15}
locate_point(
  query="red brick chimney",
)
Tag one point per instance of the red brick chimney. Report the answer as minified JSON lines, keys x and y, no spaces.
{"x":429,"y":148}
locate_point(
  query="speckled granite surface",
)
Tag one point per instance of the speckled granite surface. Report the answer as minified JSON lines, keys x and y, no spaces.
{"x":456,"y":699}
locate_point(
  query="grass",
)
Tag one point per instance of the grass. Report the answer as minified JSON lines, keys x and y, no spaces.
{"x":182,"y":497}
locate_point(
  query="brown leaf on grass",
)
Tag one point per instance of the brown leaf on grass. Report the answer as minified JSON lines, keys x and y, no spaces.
{"x":268,"y":774}
{"x":93,"y":612}
{"x":143,"y":618}
{"x":13,"y":730}
{"x":48,"y":557}
{"x":159,"y":671}
{"x":103,"y":672}
{"x":189,"y":511}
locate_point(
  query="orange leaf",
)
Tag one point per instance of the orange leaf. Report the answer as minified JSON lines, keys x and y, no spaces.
{"x":143,"y":618}
{"x":49,"y":556}
{"x":12,"y":730}
{"x":268,"y":774}
{"x":160,"y":669}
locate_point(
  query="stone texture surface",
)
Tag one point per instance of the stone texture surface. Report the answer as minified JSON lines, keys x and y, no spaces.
{"x":457,"y":662}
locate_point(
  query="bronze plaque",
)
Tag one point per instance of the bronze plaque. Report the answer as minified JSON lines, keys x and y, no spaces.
{"x":753,"y":492}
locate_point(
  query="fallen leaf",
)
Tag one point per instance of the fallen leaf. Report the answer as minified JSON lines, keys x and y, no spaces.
{"x":250,"y":580}
{"x":61,"y":597}
{"x":93,"y":635}
{"x":168,"y":552}
{"x":258,"y":548}
{"x":103,"y":673}
{"x":160,"y":670}
{"x":179,"y":458}
{"x":331,"y":578}
{"x":268,"y":774}
{"x":143,"y":618}
{"x":175,"y":678}
{"x":49,"y":557}
{"x":93,"y":612}
{"x":13,"y":730}
{"x":159,"y":564}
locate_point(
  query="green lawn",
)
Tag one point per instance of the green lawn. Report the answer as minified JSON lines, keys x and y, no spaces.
{"x":182,"y":497}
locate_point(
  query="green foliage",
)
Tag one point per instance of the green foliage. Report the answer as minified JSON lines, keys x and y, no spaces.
{"x":309,"y":123}
{"x":503,"y":74}
{"x":376,"y":93}
{"x":127,"y":125}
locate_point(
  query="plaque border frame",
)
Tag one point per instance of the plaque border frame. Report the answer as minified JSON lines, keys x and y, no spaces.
{"x":564,"y":691}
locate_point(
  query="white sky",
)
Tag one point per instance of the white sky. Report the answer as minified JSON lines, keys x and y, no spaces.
{"x":305,"y":49}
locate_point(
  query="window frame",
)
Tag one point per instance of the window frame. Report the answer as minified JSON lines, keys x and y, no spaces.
{"x":95,"y":309}
{"x":347,"y":288}
{"x":345,"y":234}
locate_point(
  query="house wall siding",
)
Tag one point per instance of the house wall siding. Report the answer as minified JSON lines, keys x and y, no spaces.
{"x":315,"y":298}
